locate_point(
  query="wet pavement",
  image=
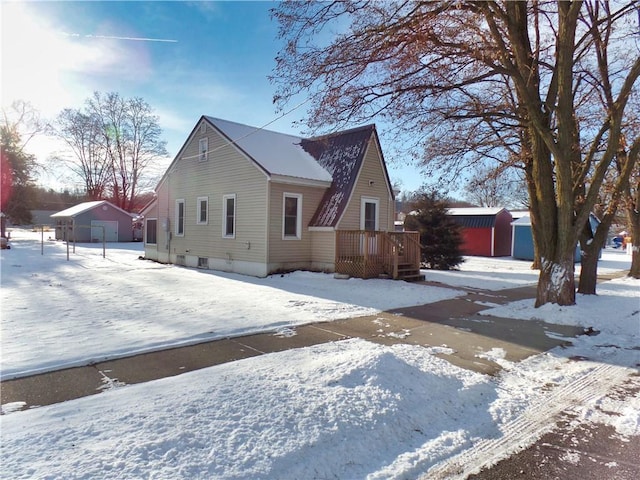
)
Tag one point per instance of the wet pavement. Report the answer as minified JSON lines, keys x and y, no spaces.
{"x":573,"y":450}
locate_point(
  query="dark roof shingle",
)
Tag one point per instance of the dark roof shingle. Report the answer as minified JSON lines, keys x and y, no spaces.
{"x":341,"y":154}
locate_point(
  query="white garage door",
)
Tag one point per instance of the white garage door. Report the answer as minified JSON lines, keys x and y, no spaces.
{"x":110,"y":230}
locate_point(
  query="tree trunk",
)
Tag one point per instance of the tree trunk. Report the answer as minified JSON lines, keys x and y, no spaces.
{"x":633,"y":215}
{"x":588,"y":269}
{"x":634,"y":218}
{"x":591,"y":243}
{"x":635,"y":259}
{"x":556,"y":283}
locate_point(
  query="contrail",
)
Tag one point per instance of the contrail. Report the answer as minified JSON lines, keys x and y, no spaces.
{"x":113,"y":37}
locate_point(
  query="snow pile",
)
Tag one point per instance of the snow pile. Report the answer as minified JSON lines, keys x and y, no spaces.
{"x":614,"y":313}
{"x":338,"y":413}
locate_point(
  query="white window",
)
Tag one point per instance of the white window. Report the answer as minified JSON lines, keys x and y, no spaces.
{"x":180,"y":218}
{"x":229,"y":215}
{"x":202,"y":210}
{"x":369,"y":213}
{"x":292,"y":216}
{"x":151,"y":231}
{"x":203,"y":147}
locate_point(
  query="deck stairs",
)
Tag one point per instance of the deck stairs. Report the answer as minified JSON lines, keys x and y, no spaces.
{"x":409,"y":273}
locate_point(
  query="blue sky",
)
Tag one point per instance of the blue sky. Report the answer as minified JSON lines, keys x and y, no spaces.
{"x":185,"y":59}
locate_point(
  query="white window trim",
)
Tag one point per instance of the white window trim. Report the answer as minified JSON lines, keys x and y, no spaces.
{"x":224,"y":215}
{"x":203,"y":155}
{"x":184,"y":214}
{"x":298,"y":234}
{"x":146,"y":230}
{"x":199,"y":200}
{"x":363,"y":203}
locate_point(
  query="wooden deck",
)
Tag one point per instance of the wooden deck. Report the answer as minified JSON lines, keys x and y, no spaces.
{"x":369,"y":254}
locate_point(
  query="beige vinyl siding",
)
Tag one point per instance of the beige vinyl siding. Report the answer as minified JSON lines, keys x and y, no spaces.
{"x":323,"y":246}
{"x":371,"y":171}
{"x":226,"y":171}
{"x":291,"y":251}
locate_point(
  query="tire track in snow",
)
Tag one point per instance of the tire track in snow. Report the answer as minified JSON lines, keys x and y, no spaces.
{"x":531,"y":425}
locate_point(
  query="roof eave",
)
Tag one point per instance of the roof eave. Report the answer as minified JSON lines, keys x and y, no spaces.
{"x":309,"y":182}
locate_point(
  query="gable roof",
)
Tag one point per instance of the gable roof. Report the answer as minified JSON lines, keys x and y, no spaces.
{"x":475,"y":211}
{"x":522,"y":221}
{"x":151,"y":203}
{"x":276,"y":153}
{"x":332,"y":160}
{"x":341,"y":154}
{"x":475,"y":217}
{"x":84,"y":207}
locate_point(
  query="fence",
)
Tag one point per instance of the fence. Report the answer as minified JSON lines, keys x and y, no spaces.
{"x":369,"y":254}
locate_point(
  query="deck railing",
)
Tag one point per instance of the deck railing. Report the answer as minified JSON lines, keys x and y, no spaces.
{"x":369,"y":254}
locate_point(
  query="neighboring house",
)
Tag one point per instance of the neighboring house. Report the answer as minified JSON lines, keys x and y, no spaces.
{"x":522,"y":244}
{"x":486,"y":232}
{"x":42,"y":218}
{"x":88,"y":221}
{"x":248,"y":200}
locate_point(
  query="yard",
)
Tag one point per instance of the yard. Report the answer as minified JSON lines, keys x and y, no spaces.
{"x":348,"y":409}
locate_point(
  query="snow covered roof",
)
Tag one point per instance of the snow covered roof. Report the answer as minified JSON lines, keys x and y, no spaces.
{"x":277,"y":153}
{"x":334,"y":158}
{"x":526,"y":220}
{"x":475,"y":211}
{"x":515,"y":214}
{"x":476,"y":217}
{"x":332,"y":161}
{"x":83,"y":207}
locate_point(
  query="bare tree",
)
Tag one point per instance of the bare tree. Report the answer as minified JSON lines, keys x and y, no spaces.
{"x":82,"y":133}
{"x":469,"y":80}
{"x":112,"y":142}
{"x":131,"y":138}
{"x":495,"y":187}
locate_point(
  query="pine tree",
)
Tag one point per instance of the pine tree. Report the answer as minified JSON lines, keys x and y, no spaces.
{"x":440,"y":236}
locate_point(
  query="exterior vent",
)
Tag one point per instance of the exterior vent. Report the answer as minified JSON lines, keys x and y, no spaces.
{"x":180,"y":260}
{"x":203,"y":127}
{"x":203,"y":262}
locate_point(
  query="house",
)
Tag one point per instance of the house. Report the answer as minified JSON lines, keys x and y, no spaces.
{"x":253,"y":201}
{"x":486,"y":232}
{"x":88,"y":221}
{"x":522,"y":243}
{"x":43,"y":218}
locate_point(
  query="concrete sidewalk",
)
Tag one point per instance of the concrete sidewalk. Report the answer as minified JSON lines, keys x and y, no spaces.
{"x":454,"y":324}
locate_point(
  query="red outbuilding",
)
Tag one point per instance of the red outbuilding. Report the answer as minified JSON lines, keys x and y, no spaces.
{"x":486,"y":232}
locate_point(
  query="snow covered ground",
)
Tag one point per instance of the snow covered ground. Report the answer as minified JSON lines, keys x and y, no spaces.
{"x":92,"y":308}
{"x":347,"y":410}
